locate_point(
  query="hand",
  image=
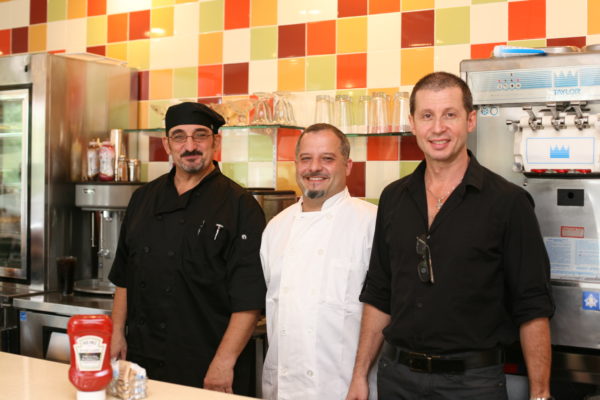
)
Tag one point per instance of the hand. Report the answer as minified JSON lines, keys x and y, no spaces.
{"x":219,"y":377}
{"x":358,"y":390}
{"x":118,"y":346}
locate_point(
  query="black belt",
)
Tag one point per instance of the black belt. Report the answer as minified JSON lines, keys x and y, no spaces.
{"x":421,"y":362}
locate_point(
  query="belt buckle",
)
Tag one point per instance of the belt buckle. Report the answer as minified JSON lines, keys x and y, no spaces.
{"x":420,"y":362}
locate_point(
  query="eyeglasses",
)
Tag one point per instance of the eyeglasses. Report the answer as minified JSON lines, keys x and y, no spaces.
{"x":196,"y":137}
{"x":424,"y":268}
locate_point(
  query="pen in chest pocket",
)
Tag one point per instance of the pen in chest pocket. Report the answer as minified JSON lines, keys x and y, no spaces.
{"x":200,"y":229}
{"x":219,"y":226}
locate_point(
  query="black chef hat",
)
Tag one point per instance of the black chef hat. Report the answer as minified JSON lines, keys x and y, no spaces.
{"x":193,"y":113}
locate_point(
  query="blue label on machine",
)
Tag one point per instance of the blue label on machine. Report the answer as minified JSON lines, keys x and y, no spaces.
{"x":22,"y":316}
{"x":591,"y":301}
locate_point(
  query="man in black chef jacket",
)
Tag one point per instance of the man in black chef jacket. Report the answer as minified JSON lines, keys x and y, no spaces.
{"x":189,"y":281}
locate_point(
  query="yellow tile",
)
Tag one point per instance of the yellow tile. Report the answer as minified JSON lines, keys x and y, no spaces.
{"x":185,"y":1}
{"x":415,"y":63}
{"x":143,"y":114}
{"x":390,"y":91}
{"x":117,"y":51}
{"x":37,"y":38}
{"x":352,"y":35}
{"x":162,"y":3}
{"x":263,"y":12}
{"x":210,"y":48}
{"x":593,"y":20}
{"x":161,"y":22}
{"x":410,"y":5}
{"x":286,"y":177}
{"x":161,"y":84}
{"x":291,"y":74}
{"x":76,"y":9}
{"x":96,"y":30}
{"x":138,"y":53}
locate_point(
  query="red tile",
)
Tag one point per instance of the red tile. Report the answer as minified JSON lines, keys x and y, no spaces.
{"x":384,"y":148}
{"x":351,"y":8}
{"x":20,"y":37}
{"x":292,"y":40}
{"x":526,"y":19}
{"x":579,"y":41}
{"x":383,"y":6}
{"x":356,"y":179}
{"x":4,"y":42}
{"x":352,"y":71}
{"x":139,"y":24}
{"x":144,"y":85}
{"x":483,"y":50}
{"x":63,"y":51}
{"x":286,"y":144}
{"x":235,"y":78}
{"x":96,"y":7}
{"x":237,"y":14}
{"x":100,"y":50}
{"x":117,"y":28}
{"x":156,"y":150}
{"x":418,"y":28}
{"x":409,"y":150}
{"x":38,"y":10}
{"x":320,"y":38}
{"x":209,"y":100}
{"x":210,"y":80}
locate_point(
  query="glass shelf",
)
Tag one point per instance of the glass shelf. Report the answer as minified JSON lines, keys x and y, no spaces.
{"x":379,"y":134}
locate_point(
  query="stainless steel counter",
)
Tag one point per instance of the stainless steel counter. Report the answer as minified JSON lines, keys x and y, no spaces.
{"x":9,"y":321}
{"x":57,"y":303}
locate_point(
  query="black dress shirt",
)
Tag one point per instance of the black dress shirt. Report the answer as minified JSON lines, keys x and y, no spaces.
{"x":188,"y":261}
{"x":489,"y":261}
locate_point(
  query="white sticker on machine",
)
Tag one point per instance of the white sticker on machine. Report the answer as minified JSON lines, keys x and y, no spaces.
{"x":573,"y":258}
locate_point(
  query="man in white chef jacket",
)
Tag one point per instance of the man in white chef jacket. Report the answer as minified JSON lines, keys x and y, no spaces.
{"x":315,"y":255}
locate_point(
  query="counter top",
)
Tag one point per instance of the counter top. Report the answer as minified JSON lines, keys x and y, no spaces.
{"x":27,"y":378}
{"x":65,"y":304}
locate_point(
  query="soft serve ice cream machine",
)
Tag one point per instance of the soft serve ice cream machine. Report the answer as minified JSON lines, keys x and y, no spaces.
{"x":538,"y":125}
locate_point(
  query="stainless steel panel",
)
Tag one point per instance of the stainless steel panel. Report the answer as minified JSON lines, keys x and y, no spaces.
{"x":32,"y":328}
{"x":97,"y":196}
{"x":69,"y":305}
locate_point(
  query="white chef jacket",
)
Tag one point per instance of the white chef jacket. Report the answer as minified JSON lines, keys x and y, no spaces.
{"x":315,"y":265}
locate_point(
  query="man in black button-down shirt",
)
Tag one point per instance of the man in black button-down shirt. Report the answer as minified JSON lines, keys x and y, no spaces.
{"x":458,"y":268}
{"x":189,"y":281}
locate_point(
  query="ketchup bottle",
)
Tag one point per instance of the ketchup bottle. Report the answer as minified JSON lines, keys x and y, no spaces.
{"x":89,"y":338}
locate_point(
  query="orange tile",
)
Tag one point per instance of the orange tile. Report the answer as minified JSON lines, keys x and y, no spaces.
{"x":96,"y":7}
{"x":4,"y":42}
{"x":237,"y":14}
{"x":210,"y":80}
{"x":352,"y":35}
{"x":117,"y":27}
{"x":263,"y":12}
{"x":415,"y":63}
{"x":593,"y":20}
{"x":161,"y":22}
{"x":210,"y":48}
{"x":117,"y":51}
{"x":139,"y":24}
{"x":286,"y":144}
{"x":286,"y":177}
{"x":161,"y":84}
{"x":351,"y":8}
{"x":383,"y":6}
{"x":320,"y":37}
{"x":384,"y":148}
{"x":351,"y":71}
{"x":412,"y":5}
{"x":291,"y":74}
{"x":483,"y":50}
{"x":37,"y":38}
{"x":527,"y":19}
{"x":76,"y":9}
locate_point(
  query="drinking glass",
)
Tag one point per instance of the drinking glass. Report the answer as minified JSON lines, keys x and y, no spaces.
{"x":262,"y":110}
{"x":342,"y":113}
{"x":283,"y":112}
{"x":378,"y":117}
{"x":362,"y":118}
{"x":323,"y":109}
{"x":400,"y":111}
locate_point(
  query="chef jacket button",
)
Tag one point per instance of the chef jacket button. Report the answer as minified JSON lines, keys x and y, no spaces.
{"x":168,"y":289}
{"x":283,"y":332}
{"x":310,"y":330}
{"x":159,"y":217}
{"x":283,"y":371}
{"x":320,"y":252}
{"x":146,"y":249}
{"x":419,"y":305}
{"x":162,"y":325}
{"x":286,"y":289}
{"x":313,"y":292}
{"x":170,"y":253}
{"x":309,"y":373}
{"x":329,"y":216}
{"x":142,"y":284}
{"x":161,"y":364}
{"x":142,"y":321}
{"x":181,"y":221}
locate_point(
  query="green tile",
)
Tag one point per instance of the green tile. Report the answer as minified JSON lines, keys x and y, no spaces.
{"x":373,"y":201}
{"x":211,"y":16}
{"x":263,"y":43}
{"x":57,"y":10}
{"x":407,"y":167}
{"x":236,"y":171}
{"x":320,"y":72}
{"x":185,"y":82}
{"x":452,"y":25}
{"x":528,"y":43}
{"x":260,"y":147}
{"x":487,"y":1}
{"x":156,"y":110}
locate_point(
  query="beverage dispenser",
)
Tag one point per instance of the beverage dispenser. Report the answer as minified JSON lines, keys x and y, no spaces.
{"x":538,"y":126}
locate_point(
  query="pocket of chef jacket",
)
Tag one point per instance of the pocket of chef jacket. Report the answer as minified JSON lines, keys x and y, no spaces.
{"x":204,"y":258}
{"x":342,"y":283}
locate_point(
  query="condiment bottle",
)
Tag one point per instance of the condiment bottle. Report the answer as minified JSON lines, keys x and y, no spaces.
{"x":92,"y":160}
{"x":89,"y":338}
{"x":107,"y":162}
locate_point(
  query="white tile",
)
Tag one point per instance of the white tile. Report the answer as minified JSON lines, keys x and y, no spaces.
{"x":379,"y":174}
{"x":186,"y":19}
{"x":384,"y":32}
{"x":157,"y":168}
{"x":593,"y":39}
{"x":234,"y":146}
{"x":383,"y":69}
{"x":76,"y":35}
{"x":122,"y":6}
{"x":262,"y":76}
{"x":56,"y":35}
{"x":566,"y":18}
{"x":296,"y":12}
{"x":358,"y":148}
{"x":489,"y":23}
{"x":174,"y":52}
{"x":261,"y":174}
{"x":14,"y":14}
{"x":451,"y":3}
{"x":236,"y":46}
{"x":448,"y":58}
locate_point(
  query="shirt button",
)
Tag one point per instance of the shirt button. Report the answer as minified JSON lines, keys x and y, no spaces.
{"x":161,"y":364}
{"x":419,"y":305}
{"x":142,"y":284}
{"x":286,"y":289}
{"x":310,"y":330}
{"x":170,"y":253}
{"x":283,"y":332}
{"x":142,"y":321}
{"x":309,"y":373}
{"x":181,"y":221}
{"x":162,"y":325}
{"x":329,"y":216}
{"x":159,"y":217}
{"x":146,"y":249}
{"x":283,"y":371}
{"x":320,"y":252}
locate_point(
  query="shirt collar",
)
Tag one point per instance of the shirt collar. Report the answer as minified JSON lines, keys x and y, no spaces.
{"x":333,"y":201}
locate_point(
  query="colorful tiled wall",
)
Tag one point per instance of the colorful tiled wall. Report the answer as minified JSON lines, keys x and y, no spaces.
{"x":223,"y":50}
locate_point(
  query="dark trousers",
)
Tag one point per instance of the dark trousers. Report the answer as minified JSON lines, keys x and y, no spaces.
{"x":396,"y":381}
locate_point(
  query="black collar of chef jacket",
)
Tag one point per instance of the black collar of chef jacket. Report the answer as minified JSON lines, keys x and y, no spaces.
{"x":168,"y":200}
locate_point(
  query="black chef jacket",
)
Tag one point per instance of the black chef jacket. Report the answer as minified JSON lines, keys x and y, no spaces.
{"x":489,"y":261}
{"x":188,"y":262}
